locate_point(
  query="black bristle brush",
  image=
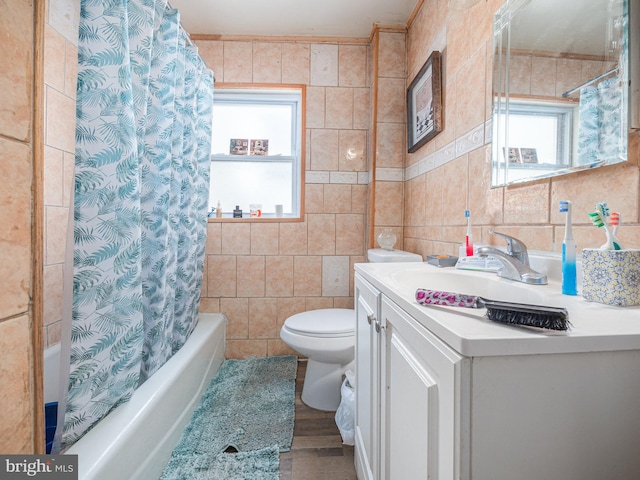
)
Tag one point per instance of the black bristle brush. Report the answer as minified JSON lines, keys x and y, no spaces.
{"x":548,"y":318}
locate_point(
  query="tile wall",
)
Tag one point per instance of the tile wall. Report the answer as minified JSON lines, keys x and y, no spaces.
{"x":16,"y":256}
{"x":60,"y":76}
{"x":258,"y":274}
{"x":452,"y":172}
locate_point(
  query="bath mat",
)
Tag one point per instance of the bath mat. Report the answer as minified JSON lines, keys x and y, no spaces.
{"x":248,"y":408}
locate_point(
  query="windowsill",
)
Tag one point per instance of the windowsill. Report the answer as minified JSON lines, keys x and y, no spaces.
{"x":247,"y":219}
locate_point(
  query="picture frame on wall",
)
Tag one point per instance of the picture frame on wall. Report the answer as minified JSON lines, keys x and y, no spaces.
{"x":424,"y":104}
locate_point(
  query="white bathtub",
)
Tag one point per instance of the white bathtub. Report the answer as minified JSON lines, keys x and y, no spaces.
{"x":135,"y":441}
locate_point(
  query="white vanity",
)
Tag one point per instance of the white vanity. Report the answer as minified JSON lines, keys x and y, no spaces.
{"x":443,"y":393}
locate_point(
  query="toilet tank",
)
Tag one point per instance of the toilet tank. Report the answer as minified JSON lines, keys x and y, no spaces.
{"x":381,"y":255}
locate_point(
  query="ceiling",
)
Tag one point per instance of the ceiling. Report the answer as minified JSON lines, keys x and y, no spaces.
{"x":332,"y":18}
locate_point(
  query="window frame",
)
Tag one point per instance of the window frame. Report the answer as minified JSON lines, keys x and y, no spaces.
{"x":285,"y":93}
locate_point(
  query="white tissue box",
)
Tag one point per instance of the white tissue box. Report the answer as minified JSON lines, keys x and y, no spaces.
{"x":611,"y":276}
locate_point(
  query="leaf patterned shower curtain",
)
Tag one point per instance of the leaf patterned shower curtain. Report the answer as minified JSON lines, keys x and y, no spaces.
{"x":143,"y":137}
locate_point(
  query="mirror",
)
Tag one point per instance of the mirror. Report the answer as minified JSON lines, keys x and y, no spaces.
{"x":560,"y":87}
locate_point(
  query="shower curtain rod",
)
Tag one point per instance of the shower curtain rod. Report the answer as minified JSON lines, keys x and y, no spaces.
{"x":589,"y":82}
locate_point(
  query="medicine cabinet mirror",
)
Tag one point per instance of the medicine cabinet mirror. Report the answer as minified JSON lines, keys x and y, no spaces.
{"x":561,"y":90}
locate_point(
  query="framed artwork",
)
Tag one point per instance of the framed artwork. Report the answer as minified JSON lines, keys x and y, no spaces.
{"x":259,"y":147}
{"x":239,"y":146}
{"x":529,"y":155}
{"x":424,"y":104}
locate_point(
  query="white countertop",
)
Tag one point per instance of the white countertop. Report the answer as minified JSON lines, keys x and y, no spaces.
{"x":595,"y":326}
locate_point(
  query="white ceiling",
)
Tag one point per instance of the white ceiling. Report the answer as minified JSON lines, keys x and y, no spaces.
{"x":333,"y":18}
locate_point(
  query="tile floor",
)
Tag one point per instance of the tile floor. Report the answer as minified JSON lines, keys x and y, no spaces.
{"x":317,"y":452}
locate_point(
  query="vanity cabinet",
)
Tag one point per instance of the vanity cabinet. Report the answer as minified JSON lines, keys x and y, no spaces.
{"x":427,"y":410}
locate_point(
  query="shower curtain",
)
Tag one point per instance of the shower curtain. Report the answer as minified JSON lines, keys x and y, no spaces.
{"x":143,"y":138}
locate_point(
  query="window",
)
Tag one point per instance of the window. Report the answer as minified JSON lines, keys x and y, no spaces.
{"x":540,"y":134}
{"x":256,"y":151}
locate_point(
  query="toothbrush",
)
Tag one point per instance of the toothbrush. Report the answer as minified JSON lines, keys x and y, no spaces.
{"x":615,"y":223}
{"x":568,"y":253}
{"x":599,"y":220}
{"x":468,"y":241}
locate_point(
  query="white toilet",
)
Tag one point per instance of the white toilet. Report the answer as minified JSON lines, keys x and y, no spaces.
{"x":327,"y":338}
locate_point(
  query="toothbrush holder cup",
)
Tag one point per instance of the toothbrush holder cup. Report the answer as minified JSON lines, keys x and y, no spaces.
{"x":611,"y":276}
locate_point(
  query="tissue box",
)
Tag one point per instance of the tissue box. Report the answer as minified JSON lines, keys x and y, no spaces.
{"x":611,"y":276}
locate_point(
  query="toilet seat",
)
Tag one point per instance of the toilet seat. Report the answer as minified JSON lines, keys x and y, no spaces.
{"x":330,"y":322}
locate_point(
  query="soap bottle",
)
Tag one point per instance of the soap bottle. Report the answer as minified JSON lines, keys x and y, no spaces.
{"x":218,"y":210}
{"x":237,"y":213}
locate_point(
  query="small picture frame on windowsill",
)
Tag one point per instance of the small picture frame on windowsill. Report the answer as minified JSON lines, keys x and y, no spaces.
{"x":424,"y":104}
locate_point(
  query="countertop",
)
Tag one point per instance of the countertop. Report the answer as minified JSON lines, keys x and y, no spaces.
{"x":595,"y":326}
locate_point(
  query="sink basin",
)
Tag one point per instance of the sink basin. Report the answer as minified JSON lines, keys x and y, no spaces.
{"x":487,"y":285}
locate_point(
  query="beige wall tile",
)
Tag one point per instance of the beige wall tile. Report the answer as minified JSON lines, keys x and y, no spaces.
{"x":543,"y":76}
{"x":239,"y":349}
{"x":314,"y":198}
{"x":16,"y":25}
{"x":527,"y":203}
{"x":389,"y":203}
{"x":221,"y":276}
{"x":209,"y":305}
{"x":350,"y":234}
{"x":212,"y":52}
{"x":15,"y":234}
{"x":324,"y":65}
{"x":322,"y":234}
{"x":53,"y":278}
{"x":295,"y":63}
{"x":15,"y":415}
{"x":520,"y":74}
{"x":279,"y":276}
{"x":64,"y":16}
{"x":352,"y":65}
{"x":237,"y":313}
{"x":238,"y":58}
{"x":391,"y":100}
{"x":337,"y":198}
{"x":324,"y":149}
{"x":361,"y":108}
{"x":390,"y":147}
{"x":293,"y":238}
{"x":57,"y":219}
{"x":267,"y":62}
{"x":251,"y":276}
{"x":53,"y":334}
{"x":53,"y":176}
{"x":315,"y":107}
{"x":276,"y":348}
{"x":236,"y":238}
{"x":392,"y":55}
{"x":214,"y":238}
{"x":339,"y":107}
{"x":485,"y":202}
{"x":264,"y":238}
{"x":307,"y":276}
{"x":318,"y":303}
{"x":569,"y":74}
{"x":359,"y":195}
{"x":54,"y":58}
{"x":60,"y":121}
{"x":68,"y":177}
{"x":353,"y":150}
{"x":470,"y":95}
{"x":455,"y":182}
{"x":288,"y":307}
{"x":335,"y":276}
{"x":263,"y":318}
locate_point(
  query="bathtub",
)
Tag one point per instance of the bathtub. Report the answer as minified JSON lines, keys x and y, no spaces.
{"x":135,"y":440}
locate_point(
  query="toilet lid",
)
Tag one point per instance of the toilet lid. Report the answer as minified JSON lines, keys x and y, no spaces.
{"x":329,"y":322}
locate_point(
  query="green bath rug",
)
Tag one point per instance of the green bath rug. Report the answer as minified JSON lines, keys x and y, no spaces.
{"x":250,"y":407}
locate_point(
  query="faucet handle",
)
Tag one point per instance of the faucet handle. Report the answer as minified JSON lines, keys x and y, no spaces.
{"x":516,"y":248}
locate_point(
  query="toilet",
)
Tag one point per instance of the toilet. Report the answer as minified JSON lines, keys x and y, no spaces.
{"x":327,"y":338}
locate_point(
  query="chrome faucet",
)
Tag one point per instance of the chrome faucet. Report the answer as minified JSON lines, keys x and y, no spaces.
{"x":515,"y":263}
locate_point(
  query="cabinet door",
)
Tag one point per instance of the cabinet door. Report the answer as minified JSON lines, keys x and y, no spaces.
{"x":420,"y":401}
{"x":367,"y":389}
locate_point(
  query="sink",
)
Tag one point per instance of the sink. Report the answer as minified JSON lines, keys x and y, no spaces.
{"x":487,"y":285}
